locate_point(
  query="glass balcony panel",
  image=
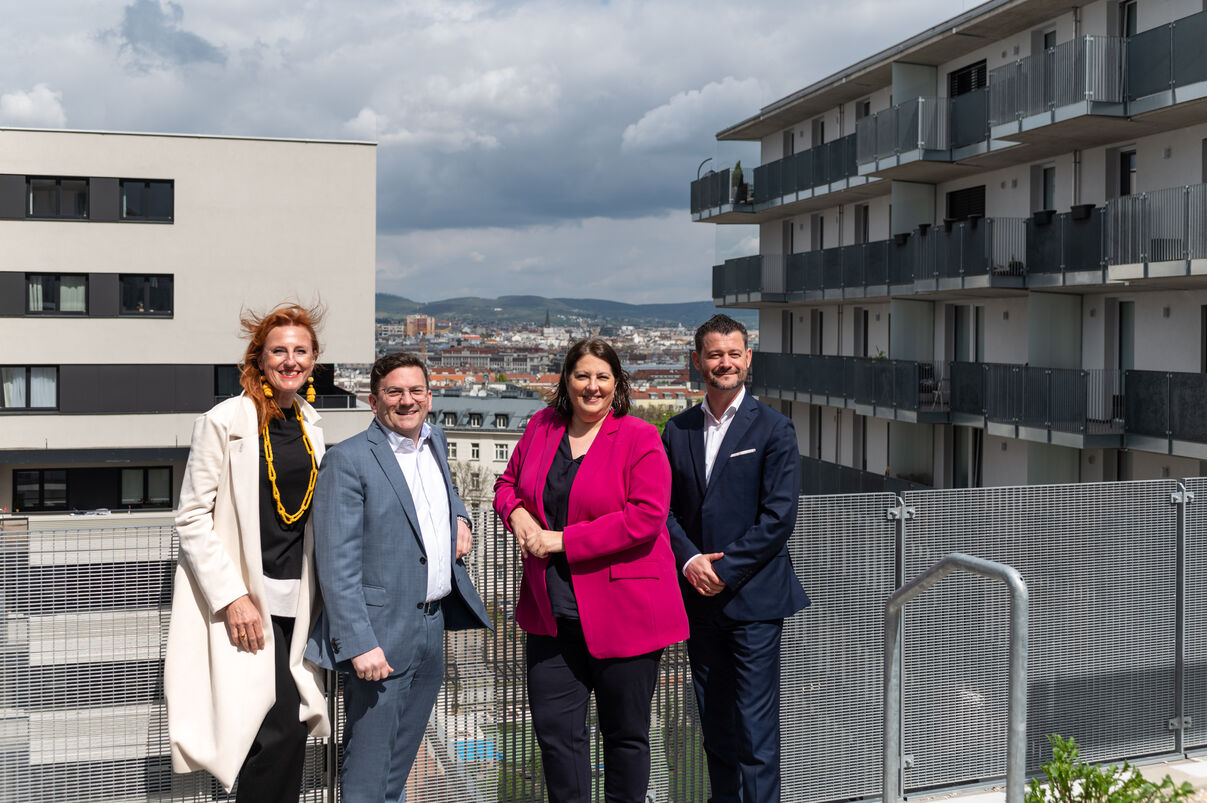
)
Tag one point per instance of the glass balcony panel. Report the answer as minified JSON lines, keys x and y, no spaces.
{"x":970,"y":118}
{"x":1149,"y":62}
{"x":1146,"y":403}
{"x":968,"y":388}
{"x":875,"y":262}
{"x":1187,"y":413}
{"x":1189,"y":57}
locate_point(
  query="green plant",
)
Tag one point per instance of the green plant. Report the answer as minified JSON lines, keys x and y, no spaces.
{"x":1071,"y":780}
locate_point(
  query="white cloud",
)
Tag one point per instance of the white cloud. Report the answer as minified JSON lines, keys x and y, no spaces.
{"x":680,"y":119}
{"x":40,"y":107}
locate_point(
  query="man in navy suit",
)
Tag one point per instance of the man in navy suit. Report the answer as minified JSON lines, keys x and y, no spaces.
{"x":390,"y":532}
{"x":734,"y":489}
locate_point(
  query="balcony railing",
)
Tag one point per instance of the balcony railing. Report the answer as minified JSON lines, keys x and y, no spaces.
{"x":896,"y":384}
{"x":1168,"y":57}
{"x":1065,"y":243}
{"x":806,"y":170}
{"x":917,"y":124}
{"x":1166,"y":404}
{"x":763,"y":274}
{"x":1159,"y":226}
{"x":711,"y":191}
{"x":1088,"y":68}
{"x":1076,"y":400}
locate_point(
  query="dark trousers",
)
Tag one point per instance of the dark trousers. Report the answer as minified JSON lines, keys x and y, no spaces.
{"x":272,"y":770}
{"x":736,"y":674}
{"x":561,"y":677}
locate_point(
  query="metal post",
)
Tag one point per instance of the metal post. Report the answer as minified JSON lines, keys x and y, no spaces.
{"x":1016,"y":750}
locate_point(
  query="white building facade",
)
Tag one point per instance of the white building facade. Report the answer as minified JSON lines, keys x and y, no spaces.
{"x":126,"y":261}
{"x":983,"y":251}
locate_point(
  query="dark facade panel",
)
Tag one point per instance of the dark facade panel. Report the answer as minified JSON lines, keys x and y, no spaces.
{"x":12,"y":293}
{"x":104,"y":295}
{"x":12,"y":197}
{"x":105,"y":205}
{"x":136,"y":388}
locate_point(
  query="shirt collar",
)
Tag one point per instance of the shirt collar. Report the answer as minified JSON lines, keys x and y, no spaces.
{"x":729,"y":411}
{"x":402,"y":445}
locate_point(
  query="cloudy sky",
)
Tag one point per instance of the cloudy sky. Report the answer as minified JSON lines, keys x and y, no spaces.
{"x":526,"y":146}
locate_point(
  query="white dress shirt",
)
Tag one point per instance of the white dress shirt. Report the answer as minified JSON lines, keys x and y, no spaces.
{"x":715,"y":429}
{"x":425,"y":480}
{"x":714,"y":432}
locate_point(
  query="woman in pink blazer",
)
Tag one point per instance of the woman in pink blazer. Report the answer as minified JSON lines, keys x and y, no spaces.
{"x":586,"y":494}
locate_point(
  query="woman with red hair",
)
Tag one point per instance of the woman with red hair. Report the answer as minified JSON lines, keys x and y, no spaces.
{"x":241,"y":702}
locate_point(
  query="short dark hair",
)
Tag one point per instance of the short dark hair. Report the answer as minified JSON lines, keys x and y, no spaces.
{"x":594,"y":347}
{"x":387,"y":363}
{"x":720,"y":324}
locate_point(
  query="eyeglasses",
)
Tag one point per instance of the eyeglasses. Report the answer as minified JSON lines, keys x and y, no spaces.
{"x":393,"y":395}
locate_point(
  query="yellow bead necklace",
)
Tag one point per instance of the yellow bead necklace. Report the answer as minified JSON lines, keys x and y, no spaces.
{"x":290,"y":518}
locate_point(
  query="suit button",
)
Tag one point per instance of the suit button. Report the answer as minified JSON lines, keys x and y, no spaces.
{"x":422,"y":560}
{"x":419,"y":605}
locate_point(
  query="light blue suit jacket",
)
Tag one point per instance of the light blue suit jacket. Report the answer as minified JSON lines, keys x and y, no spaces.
{"x":369,"y":553}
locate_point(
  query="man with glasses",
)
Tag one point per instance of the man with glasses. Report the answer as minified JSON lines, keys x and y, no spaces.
{"x":390,"y":532}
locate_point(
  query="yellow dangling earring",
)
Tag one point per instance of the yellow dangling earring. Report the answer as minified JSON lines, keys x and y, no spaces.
{"x":310,"y":391}
{"x":267,"y":388}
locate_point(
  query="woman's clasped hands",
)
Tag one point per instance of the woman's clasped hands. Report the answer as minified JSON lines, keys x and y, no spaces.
{"x":532,"y":538}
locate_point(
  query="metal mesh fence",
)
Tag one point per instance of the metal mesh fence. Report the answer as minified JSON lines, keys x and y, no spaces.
{"x":831,"y":676}
{"x":85,"y":621}
{"x":1099,"y":562}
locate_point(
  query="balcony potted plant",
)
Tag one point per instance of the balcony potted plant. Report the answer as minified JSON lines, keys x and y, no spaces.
{"x":1042,"y":217}
{"x":1081,"y":211}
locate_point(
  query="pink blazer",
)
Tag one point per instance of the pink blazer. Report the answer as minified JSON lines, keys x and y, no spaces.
{"x":616,"y":539}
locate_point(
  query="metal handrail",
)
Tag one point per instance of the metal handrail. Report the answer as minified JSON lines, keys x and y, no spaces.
{"x":1016,"y":746}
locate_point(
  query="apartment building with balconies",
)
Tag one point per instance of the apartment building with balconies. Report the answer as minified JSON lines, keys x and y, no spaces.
{"x":126,"y":261}
{"x":983,"y":251}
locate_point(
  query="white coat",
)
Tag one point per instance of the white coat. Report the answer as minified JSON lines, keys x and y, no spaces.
{"x":217,"y":695}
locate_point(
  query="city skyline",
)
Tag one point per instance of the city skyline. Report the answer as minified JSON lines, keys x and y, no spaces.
{"x":525,"y":147}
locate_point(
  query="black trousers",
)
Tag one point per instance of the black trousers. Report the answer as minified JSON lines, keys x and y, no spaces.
{"x":561,"y":677}
{"x":272,"y":770}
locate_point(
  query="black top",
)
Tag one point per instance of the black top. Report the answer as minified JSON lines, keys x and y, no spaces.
{"x":280,"y":543}
{"x":557,"y":506}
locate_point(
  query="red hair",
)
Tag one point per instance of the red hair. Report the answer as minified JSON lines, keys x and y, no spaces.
{"x":256,"y":328}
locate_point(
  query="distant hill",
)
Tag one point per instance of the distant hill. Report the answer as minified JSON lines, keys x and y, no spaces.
{"x":532,"y":309}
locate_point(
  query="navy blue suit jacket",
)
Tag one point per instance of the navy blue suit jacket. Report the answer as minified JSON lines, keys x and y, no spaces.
{"x":747,"y":510}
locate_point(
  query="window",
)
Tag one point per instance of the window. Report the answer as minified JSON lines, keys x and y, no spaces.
{"x":1127,"y":18}
{"x":1049,"y":188}
{"x":1127,"y":173}
{"x":39,"y":489}
{"x":450,"y":419}
{"x":500,"y":421}
{"x":474,"y":451}
{"x":966,"y":202}
{"x":146,"y":487}
{"x":818,"y":131}
{"x":146,"y":295}
{"x":967,"y":79}
{"x":452,"y":450}
{"x":863,"y":108}
{"x":500,"y":451}
{"x":55,"y":293}
{"x":65,"y":198}
{"x":147,"y":200}
{"x":475,"y":419}
{"x":25,"y":387}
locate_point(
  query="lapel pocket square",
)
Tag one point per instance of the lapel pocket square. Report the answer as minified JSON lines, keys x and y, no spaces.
{"x":744,"y":451}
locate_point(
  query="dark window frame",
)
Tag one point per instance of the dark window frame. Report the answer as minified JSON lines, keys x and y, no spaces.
{"x":146,"y":501}
{"x":967,"y":79}
{"x":146,"y":312}
{"x":28,"y":407}
{"x":146,"y":188}
{"x":58,"y":296}
{"x":41,"y":507}
{"x":58,"y":213}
